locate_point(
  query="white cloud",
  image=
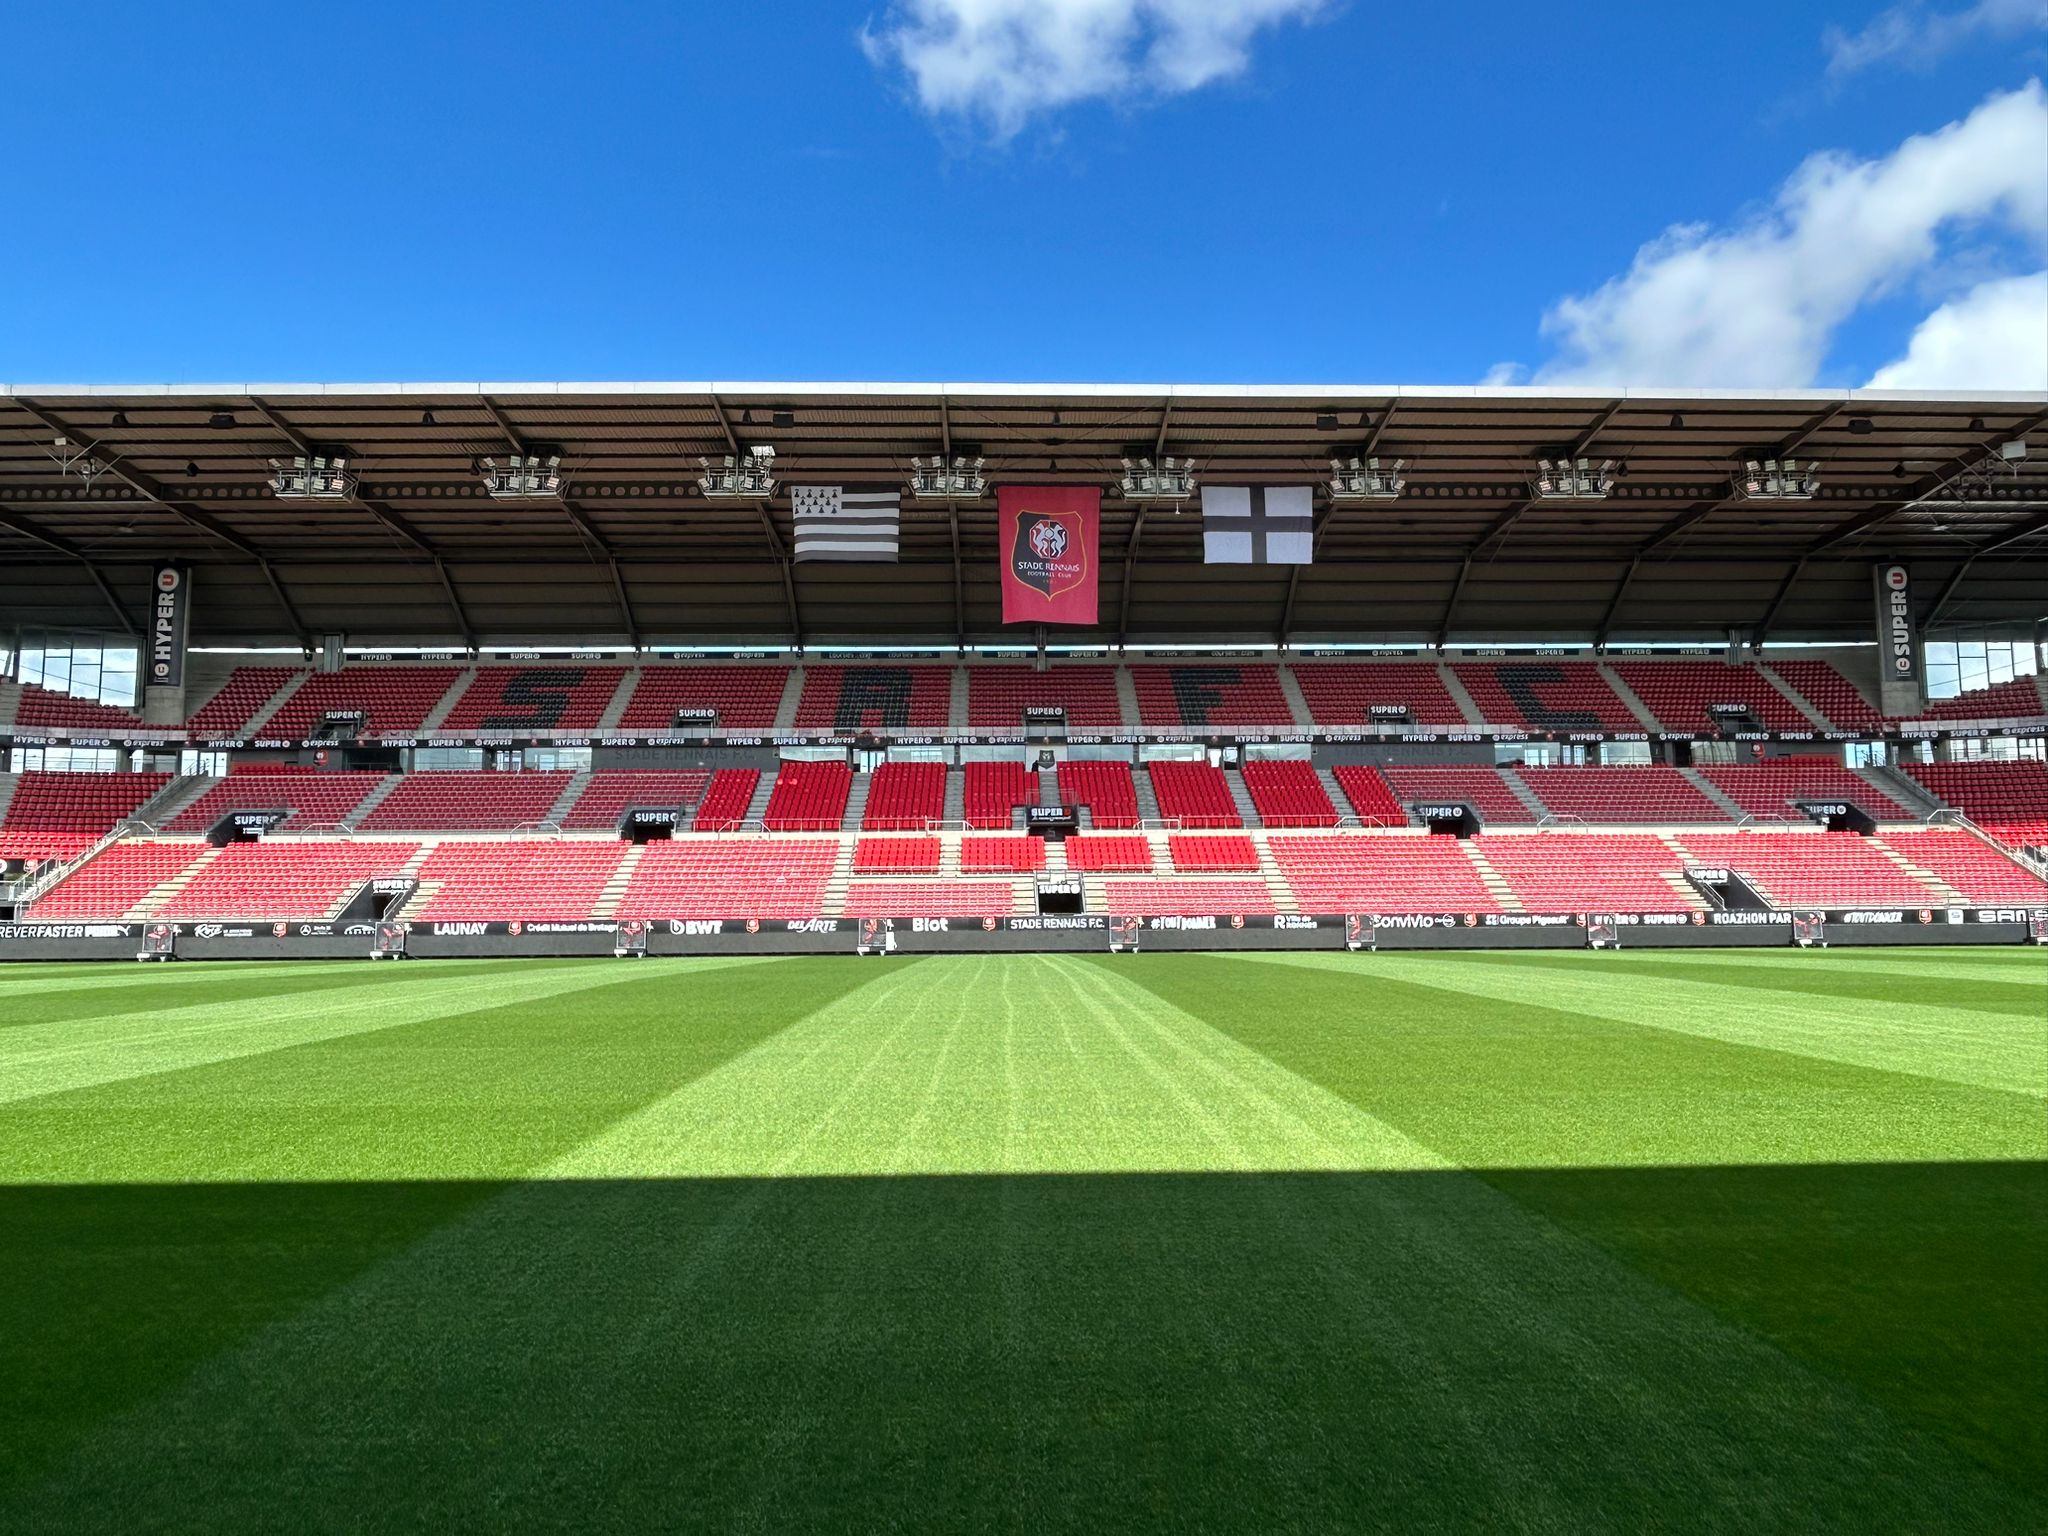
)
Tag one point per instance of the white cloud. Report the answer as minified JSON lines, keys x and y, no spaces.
{"x":1914,"y":36}
{"x":1756,"y":306}
{"x":1002,"y":62}
{"x":1993,"y":337}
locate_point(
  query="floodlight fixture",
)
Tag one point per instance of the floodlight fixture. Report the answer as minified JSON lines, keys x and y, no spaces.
{"x":1573,"y":479}
{"x":312,"y":477}
{"x":1366,"y":479}
{"x":1169,"y":479}
{"x":522,"y":477}
{"x":750,"y":475}
{"x":1779,"y":480}
{"x":959,"y":478}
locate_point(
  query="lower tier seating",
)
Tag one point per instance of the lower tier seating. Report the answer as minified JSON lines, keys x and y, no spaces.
{"x":1002,"y":855}
{"x":116,"y":880}
{"x":1574,"y":872}
{"x":534,"y":880}
{"x":1185,"y":898}
{"x":1389,"y":873}
{"x":2015,"y":791}
{"x":1958,"y":859}
{"x":933,"y":898}
{"x":284,"y":879}
{"x":896,"y":855}
{"x":1094,"y":855}
{"x":1818,"y":869}
{"x":736,"y":877}
{"x":1212,"y":855}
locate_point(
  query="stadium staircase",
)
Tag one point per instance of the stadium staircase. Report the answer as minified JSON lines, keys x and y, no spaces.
{"x":252,"y":728}
{"x":956,"y":709}
{"x":572,"y":791}
{"x":792,"y":695}
{"x":614,"y":893}
{"x":1819,"y":721}
{"x":372,"y":800}
{"x":841,"y":877}
{"x":10,"y":703}
{"x":1455,"y":687}
{"x":1629,"y":696}
{"x":621,"y":696}
{"x":160,"y":895}
{"x":1297,"y":701}
{"x":1048,"y":787}
{"x":1700,"y":782}
{"x":7,"y":783}
{"x":1241,"y":797}
{"x":1491,"y":878}
{"x":163,"y":807}
{"x":1148,"y":801}
{"x":1127,"y":696}
{"x":1270,"y":872}
{"x":757,"y":806}
{"x":433,"y":718}
{"x":955,"y":810}
{"x":857,"y":801}
{"x":1529,"y":798}
{"x":1939,"y":891}
{"x":1902,"y":787}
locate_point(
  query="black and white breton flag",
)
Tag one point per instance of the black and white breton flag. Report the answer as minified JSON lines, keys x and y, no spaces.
{"x":846,"y":522}
{"x":1258,"y":525}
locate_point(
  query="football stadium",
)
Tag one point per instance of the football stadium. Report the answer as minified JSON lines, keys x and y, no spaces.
{"x":953,"y":956}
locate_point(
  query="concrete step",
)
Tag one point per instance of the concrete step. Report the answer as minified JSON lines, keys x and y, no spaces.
{"x":1798,"y":699}
{"x":8,"y":783}
{"x":1901,"y":786}
{"x":857,"y":801}
{"x":1939,"y":890}
{"x":1297,"y":701}
{"x":10,"y":703}
{"x":1241,"y":797}
{"x":160,"y":896}
{"x":615,"y":711}
{"x":955,"y":810}
{"x":1148,"y":802}
{"x":758,"y":806}
{"x":440,"y":711}
{"x":793,"y":690}
{"x":571,"y":793}
{"x":253,"y":726}
{"x":163,"y":807}
{"x":836,"y":883}
{"x":956,"y":712}
{"x":1686,"y":892}
{"x":1629,"y":697}
{"x":371,"y":801}
{"x":1127,"y":697}
{"x":1284,"y":899}
{"x":1525,"y":794}
{"x":1457,"y":691}
{"x":1492,"y":878}
{"x":1700,"y":782}
{"x":614,"y":891}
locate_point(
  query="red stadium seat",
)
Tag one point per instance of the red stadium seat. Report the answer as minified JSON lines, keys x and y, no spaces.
{"x":1105,"y":788}
{"x":530,"y":700}
{"x":905,"y":797}
{"x":1193,"y":794}
{"x":808,"y":797}
{"x":875,"y":697}
{"x":1209,"y":695}
{"x":742,"y":698}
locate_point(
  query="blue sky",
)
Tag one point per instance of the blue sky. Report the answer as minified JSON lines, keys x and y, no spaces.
{"x":1243,"y":191}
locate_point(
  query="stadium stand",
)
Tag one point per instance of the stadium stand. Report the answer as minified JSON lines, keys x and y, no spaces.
{"x":312,"y":798}
{"x":234,"y":705}
{"x":808,"y":797}
{"x":1371,"y":797}
{"x":1575,"y":871}
{"x":1392,"y":873}
{"x":1182,"y":898}
{"x":1545,"y":695}
{"x":1839,"y":702}
{"x":993,"y":791}
{"x":612,"y":791}
{"x":1774,"y":786}
{"x":896,"y":855}
{"x":82,"y":803}
{"x":534,"y":699}
{"x":46,"y":709}
{"x":2008,"y":799}
{"x":1344,"y":692}
{"x":848,"y":700}
{"x":1193,"y":794}
{"x":540,"y":881}
{"x":1288,"y":794}
{"x":1107,"y":853}
{"x":464,"y":801}
{"x":1212,"y":855}
{"x":392,"y":701}
{"x":930,"y":898}
{"x":1104,"y":788}
{"x":1821,"y":869}
{"x":1960,"y":860}
{"x":997,"y":696}
{"x":726,"y":799}
{"x":273,"y":879}
{"x":1216,"y":695}
{"x":904,"y":797}
{"x":114,"y":881}
{"x":1481,"y":788}
{"x":1640,"y":795}
{"x":2016,"y":699}
{"x":1002,"y":855}
{"x":740,"y":697}
{"x":1682,"y":695}
{"x":737,"y":877}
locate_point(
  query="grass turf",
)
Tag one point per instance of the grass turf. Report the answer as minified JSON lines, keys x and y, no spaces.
{"x":1673,"y":1241}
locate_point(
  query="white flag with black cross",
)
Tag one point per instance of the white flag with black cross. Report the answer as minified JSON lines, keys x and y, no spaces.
{"x":846,"y":522}
{"x":1258,"y":525}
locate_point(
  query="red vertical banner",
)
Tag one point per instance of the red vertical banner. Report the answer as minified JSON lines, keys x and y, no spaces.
{"x":1046,"y":547}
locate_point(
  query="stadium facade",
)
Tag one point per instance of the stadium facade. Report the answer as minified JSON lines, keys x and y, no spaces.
{"x":532,"y":668}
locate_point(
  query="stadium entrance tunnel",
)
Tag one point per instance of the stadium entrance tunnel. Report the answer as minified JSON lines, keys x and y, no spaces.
{"x":1448,"y":818}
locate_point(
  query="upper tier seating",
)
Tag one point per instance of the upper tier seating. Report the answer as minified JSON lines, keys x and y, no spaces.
{"x":47,"y":709}
{"x":611,"y":792}
{"x":735,"y":877}
{"x":2016,"y":699}
{"x":994,"y":790}
{"x":1682,"y":693}
{"x":997,"y":696}
{"x":535,"y":881}
{"x":1547,"y":695}
{"x":1838,"y":700}
{"x":875,"y":697}
{"x":1579,"y":872}
{"x":115,"y":880}
{"x":1287,"y":793}
{"x":726,"y":799}
{"x":1349,"y":873}
{"x":2008,"y":799}
{"x":532,"y":699}
{"x":87,"y":803}
{"x":1104,"y":787}
{"x":1222,"y":694}
{"x":896,"y":855}
{"x":930,"y":898}
{"x":1770,"y":787}
{"x":1810,"y":869}
{"x":1095,"y":854}
{"x":1212,"y":855}
{"x":808,"y":797}
{"x":314,"y":798}
{"x":744,"y":698}
{"x":1002,"y":855}
{"x":1193,"y":794}
{"x":1481,"y":788}
{"x":1187,"y":898}
{"x":905,"y":797}
{"x":1979,"y":873}
{"x":247,"y":690}
{"x":463,"y":801}
{"x":1344,"y":692}
{"x":1372,"y":798}
{"x":393,"y":701}
{"x":32,"y":848}
{"x":272,"y":879}
{"x":1649,"y":793}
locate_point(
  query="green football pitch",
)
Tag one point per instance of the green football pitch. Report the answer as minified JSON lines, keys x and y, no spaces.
{"x":1570,"y":1242}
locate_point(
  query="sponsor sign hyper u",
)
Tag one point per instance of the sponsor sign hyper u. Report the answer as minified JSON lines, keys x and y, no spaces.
{"x":170,"y":614}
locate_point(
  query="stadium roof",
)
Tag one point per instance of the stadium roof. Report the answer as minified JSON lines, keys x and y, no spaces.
{"x":633,"y":552}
